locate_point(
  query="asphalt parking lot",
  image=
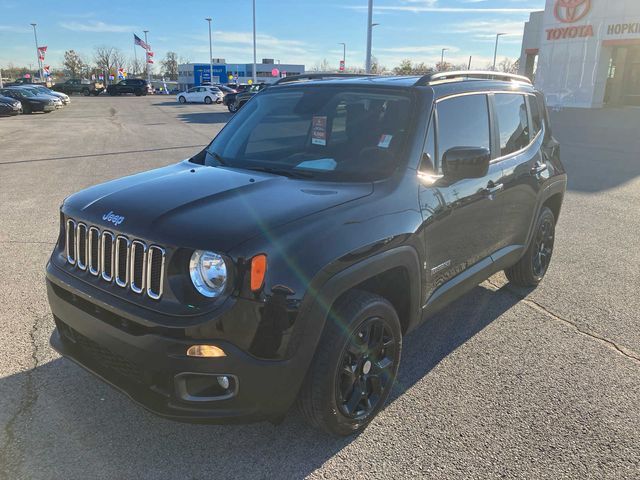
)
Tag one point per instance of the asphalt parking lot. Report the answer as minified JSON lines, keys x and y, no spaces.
{"x":504,"y":383}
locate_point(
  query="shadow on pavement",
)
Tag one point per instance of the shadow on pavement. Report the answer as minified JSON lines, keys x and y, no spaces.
{"x":205,"y":117}
{"x":72,"y":424}
{"x":599,"y":148}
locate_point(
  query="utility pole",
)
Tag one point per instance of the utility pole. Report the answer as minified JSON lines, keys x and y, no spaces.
{"x":1,"y":84}
{"x":495,"y":52}
{"x":210,"y":54}
{"x":255,"y":78}
{"x":147,"y":56}
{"x":367,"y":66}
{"x":35,"y":35}
{"x":344,"y":54}
{"x":469,"y":67}
{"x":442,"y":59}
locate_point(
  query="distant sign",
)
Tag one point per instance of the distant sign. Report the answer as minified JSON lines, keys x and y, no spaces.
{"x":342,"y":65}
{"x":27,"y":75}
{"x":202,"y":74}
{"x":275,"y":72}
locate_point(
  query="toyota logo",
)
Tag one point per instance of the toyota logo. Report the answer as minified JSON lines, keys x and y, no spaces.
{"x":570,"y":11}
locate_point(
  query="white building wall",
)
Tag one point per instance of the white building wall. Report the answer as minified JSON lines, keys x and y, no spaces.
{"x":572,"y":72}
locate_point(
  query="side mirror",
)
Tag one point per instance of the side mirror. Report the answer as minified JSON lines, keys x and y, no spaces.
{"x":466,"y":162}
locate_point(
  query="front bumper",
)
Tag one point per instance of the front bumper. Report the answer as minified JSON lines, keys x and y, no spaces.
{"x":154,"y":371}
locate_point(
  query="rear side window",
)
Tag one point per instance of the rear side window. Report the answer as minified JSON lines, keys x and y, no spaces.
{"x":463,"y":122}
{"x":511,"y":112}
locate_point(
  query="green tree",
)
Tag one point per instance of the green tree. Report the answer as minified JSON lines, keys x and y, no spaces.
{"x":73,"y":63}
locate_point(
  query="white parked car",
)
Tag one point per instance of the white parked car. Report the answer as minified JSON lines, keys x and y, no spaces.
{"x":206,"y":95}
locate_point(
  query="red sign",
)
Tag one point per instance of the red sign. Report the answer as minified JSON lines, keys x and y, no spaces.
{"x":275,"y":72}
{"x":342,"y":65}
{"x":571,"y":11}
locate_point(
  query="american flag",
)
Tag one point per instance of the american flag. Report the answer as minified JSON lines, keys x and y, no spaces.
{"x":138,"y":41}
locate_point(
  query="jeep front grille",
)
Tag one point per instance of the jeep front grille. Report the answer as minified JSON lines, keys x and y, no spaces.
{"x":126,"y":263}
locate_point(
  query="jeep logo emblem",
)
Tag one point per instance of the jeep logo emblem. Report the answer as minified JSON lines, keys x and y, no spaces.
{"x":113,"y":218}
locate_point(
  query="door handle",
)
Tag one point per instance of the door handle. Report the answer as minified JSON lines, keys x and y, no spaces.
{"x":492,"y":188}
{"x":538,"y":168}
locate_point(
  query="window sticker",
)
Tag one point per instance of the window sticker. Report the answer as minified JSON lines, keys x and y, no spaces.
{"x":385,"y":141}
{"x":319,"y":131}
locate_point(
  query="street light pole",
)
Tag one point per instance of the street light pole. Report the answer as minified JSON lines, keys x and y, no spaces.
{"x":255,"y":79}
{"x":367,"y":66}
{"x":495,"y":52}
{"x":146,"y":56}
{"x":210,"y":54}
{"x":442,"y":59}
{"x":35,"y":35}
{"x":344,"y":54}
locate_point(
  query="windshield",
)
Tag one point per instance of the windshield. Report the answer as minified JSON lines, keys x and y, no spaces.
{"x":25,"y":92}
{"x":328,"y":132}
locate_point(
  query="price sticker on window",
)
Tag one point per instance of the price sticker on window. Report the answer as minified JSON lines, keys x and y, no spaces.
{"x":319,"y":131}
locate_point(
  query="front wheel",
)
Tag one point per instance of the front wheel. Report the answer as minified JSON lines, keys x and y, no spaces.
{"x":86,"y":92}
{"x":355,"y":365}
{"x":233,"y":108}
{"x":207,"y":100}
{"x":181,"y":99}
{"x":138,"y":93}
{"x":533,"y":266}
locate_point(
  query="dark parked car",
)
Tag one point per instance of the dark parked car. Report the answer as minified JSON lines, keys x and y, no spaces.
{"x":39,"y":89}
{"x":137,"y":86}
{"x":10,"y":106}
{"x":287,"y":260}
{"x":235,"y":101}
{"x":31,"y":102}
{"x":77,"y":85}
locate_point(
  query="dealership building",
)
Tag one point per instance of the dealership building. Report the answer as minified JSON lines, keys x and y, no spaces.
{"x":268,"y":71}
{"x":584,"y":53}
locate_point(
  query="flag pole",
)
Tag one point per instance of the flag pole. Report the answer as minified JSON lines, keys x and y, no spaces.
{"x":135,"y":54}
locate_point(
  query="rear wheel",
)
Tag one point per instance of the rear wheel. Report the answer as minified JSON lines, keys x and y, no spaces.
{"x":355,"y":365}
{"x":138,"y":93}
{"x":86,"y":92}
{"x":533,"y":266}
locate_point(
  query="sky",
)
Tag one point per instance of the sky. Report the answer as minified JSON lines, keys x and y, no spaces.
{"x":292,"y":31}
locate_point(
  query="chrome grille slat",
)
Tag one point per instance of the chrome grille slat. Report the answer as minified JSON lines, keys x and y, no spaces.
{"x":94,"y":251}
{"x":116,"y":259}
{"x":81,"y":246}
{"x":138,"y":261}
{"x":155,"y":271}
{"x":70,"y":242}
{"x":122,"y":259}
{"x":107,"y":255}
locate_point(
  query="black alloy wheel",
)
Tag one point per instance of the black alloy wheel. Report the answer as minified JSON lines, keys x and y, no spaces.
{"x":181,"y":99}
{"x":355,"y":364}
{"x":532,"y":267}
{"x":233,"y":108}
{"x":543,"y":247}
{"x":365,"y":369}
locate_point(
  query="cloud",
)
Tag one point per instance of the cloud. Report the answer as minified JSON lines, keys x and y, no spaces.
{"x":487,"y":29}
{"x":97,"y":26}
{"x":422,"y":7}
{"x":15,"y":29}
{"x":418,"y":50}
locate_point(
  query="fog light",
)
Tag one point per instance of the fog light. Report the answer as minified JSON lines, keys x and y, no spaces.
{"x":223,"y":382}
{"x":209,"y":351}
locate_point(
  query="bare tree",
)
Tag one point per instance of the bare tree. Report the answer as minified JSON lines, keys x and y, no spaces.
{"x":508,"y":66}
{"x":103,"y":56}
{"x":323,"y":66}
{"x":119,"y":59}
{"x":406,"y":67}
{"x":136,"y":66}
{"x":170,"y":66}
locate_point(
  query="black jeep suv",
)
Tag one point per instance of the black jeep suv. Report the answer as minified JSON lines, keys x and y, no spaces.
{"x":137,"y":86}
{"x":287,"y":260}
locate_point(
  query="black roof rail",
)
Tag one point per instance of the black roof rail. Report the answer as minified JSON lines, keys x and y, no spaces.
{"x":470,"y":75}
{"x":319,"y":76}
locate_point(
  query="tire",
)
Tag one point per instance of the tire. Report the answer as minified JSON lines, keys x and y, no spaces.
{"x":350,"y":380}
{"x":138,"y":93}
{"x":181,"y":99}
{"x":532,"y":267}
{"x":86,"y":92}
{"x":207,"y":100}
{"x":233,"y":108}
{"x":112,"y":93}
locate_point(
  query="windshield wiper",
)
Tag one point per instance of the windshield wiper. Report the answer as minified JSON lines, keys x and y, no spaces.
{"x":218,"y":157}
{"x":282,"y":171}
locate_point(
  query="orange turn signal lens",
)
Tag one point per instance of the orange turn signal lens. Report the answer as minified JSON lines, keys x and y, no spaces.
{"x":209,"y":351}
{"x":258,"y":271}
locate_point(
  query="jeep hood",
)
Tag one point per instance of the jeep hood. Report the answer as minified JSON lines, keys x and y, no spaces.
{"x":195,"y":206}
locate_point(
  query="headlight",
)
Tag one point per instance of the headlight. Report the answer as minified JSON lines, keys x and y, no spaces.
{"x":208,"y":272}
